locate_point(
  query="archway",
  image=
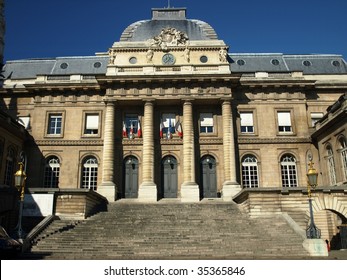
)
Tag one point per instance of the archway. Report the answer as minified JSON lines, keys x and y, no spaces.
{"x":131,"y":174}
{"x":208,"y":177}
{"x":333,"y":227}
{"x":169,"y":177}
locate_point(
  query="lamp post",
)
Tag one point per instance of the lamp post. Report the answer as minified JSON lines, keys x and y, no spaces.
{"x":19,"y":179}
{"x":312,"y":232}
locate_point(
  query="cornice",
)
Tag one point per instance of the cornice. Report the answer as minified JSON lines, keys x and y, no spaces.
{"x":62,"y":142}
{"x":277,"y":140}
{"x":211,"y":141}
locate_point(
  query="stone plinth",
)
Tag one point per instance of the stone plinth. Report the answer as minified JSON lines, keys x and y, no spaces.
{"x":147,"y":192}
{"x":230,"y":189}
{"x":190,"y":192}
{"x":316,"y":247}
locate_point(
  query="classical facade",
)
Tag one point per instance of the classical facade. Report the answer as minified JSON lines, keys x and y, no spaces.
{"x":169,"y":112}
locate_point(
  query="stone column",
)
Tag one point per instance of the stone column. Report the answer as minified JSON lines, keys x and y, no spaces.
{"x":148,"y":189}
{"x":230,"y":186}
{"x":189,"y":188}
{"x":108,"y":187}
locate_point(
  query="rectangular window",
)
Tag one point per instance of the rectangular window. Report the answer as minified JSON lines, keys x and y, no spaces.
{"x":284,"y":122}
{"x":206,"y":123}
{"x":315,"y":117}
{"x":91,"y":124}
{"x":247,"y":123}
{"x":168,"y":124}
{"x":55,"y":124}
{"x":131,"y":124}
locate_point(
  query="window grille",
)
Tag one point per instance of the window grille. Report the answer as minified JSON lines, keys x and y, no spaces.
{"x":90,"y":173}
{"x":54,"y":124}
{"x":52,"y":172}
{"x":9,"y":168}
{"x":288,"y":171}
{"x":250,"y":172}
{"x":331,"y":166}
{"x":344,"y":157}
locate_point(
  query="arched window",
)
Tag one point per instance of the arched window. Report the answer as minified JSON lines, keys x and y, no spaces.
{"x":331,"y":165}
{"x":343,"y":151}
{"x":52,"y":172}
{"x":9,"y":167}
{"x":90,"y":173}
{"x":250,"y":172}
{"x":288,"y":171}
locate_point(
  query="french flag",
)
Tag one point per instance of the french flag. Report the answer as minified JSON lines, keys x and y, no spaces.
{"x":124,"y":130}
{"x":139,"y":132}
{"x":131,"y":134}
{"x":161,"y":129}
{"x":178,"y":128}
{"x":169,"y":132}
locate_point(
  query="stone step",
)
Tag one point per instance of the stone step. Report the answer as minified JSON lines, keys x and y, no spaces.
{"x":139,"y":230}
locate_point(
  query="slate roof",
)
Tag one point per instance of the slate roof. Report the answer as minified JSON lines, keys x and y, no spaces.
{"x":169,"y":17}
{"x":308,"y":64}
{"x":30,"y":68}
{"x":196,"y":30}
{"x":92,"y":65}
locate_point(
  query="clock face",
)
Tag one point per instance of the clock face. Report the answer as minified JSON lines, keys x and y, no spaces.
{"x":168,"y":59}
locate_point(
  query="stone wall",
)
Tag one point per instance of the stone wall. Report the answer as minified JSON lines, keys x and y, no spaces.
{"x":329,"y":206}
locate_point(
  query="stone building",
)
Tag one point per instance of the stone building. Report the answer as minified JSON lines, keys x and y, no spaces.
{"x":169,"y":112}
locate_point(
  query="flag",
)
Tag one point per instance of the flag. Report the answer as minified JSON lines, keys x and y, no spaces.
{"x":124,"y":130}
{"x":139,"y":132}
{"x":178,"y":128}
{"x":161,"y":129}
{"x":131,"y":134}
{"x":169,"y":133}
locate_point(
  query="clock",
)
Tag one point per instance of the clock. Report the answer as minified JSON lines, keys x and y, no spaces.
{"x":168,"y":59}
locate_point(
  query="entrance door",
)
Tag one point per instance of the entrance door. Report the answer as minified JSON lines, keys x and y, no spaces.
{"x":131,"y":167}
{"x":169,"y":177}
{"x":208,"y":177}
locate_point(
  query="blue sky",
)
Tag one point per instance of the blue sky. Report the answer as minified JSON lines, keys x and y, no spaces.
{"x":52,"y":28}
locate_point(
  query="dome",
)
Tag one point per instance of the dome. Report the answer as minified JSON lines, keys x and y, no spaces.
{"x":175,"y":18}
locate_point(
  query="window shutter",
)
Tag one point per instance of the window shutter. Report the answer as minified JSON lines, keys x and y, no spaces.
{"x":92,"y":122}
{"x":284,"y":119}
{"x":206,"y":119}
{"x":246,"y":119}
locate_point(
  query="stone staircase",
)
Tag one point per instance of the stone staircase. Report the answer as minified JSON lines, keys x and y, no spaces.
{"x":205,"y":230}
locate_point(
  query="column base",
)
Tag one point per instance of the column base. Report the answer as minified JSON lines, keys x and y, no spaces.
{"x":230,"y":189}
{"x":148,"y":192}
{"x":190,"y":192}
{"x":108,"y":190}
{"x":316,"y":247}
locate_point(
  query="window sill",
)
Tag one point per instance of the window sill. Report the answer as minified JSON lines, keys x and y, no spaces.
{"x":90,"y":136}
{"x":54,"y":136}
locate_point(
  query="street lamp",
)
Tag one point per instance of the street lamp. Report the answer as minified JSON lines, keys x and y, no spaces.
{"x":312,"y":232}
{"x":19,"y":180}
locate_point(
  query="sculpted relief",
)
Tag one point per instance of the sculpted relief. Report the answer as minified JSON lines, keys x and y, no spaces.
{"x":169,"y":37}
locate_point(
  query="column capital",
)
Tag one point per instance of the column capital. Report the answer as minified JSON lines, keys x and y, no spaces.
{"x":109,"y":101}
{"x":188,"y":100}
{"x":148,"y":100}
{"x":226,"y":99}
